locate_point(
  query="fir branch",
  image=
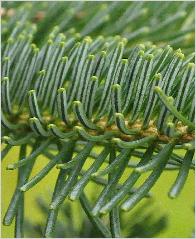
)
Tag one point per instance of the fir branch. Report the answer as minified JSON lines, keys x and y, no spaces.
{"x":62,"y":89}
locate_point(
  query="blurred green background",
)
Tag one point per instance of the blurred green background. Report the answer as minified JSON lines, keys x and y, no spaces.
{"x":179,"y":212}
